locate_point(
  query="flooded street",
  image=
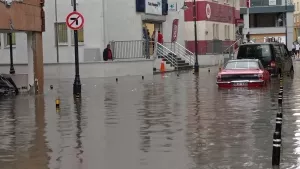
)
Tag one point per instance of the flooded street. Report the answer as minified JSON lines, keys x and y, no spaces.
{"x":161,"y":122}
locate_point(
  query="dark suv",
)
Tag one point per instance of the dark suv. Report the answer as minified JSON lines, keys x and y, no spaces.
{"x":275,"y":57}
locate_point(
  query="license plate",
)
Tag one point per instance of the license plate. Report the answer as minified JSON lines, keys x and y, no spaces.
{"x":240,"y":84}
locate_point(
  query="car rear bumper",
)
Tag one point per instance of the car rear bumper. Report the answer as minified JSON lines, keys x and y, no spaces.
{"x":242,"y":83}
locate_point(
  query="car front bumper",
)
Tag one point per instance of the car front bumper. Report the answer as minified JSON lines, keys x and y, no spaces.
{"x":241,"y":83}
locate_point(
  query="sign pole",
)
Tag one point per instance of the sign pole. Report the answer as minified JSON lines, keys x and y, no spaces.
{"x":77,"y":83}
{"x":12,"y":69}
{"x":196,"y":66}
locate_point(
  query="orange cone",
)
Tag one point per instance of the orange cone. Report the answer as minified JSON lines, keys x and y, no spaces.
{"x":162,"y":66}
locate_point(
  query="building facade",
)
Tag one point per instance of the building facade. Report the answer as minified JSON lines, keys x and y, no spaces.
{"x":105,"y":21}
{"x":216,"y":25}
{"x":297,"y":20}
{"x":269,"y":18}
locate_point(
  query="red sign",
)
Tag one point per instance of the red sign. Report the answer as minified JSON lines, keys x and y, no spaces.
{"x":75,"y":20}
{"x":174,"y":30}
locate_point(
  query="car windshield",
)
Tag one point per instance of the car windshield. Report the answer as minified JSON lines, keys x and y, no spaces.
{"x":255,"y":51}
{"x":242,"y":65}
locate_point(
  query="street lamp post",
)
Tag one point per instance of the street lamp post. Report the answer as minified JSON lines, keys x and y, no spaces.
{"x":196,"y":66}
{"x":77,"y":83}
{"x":12,"y":69}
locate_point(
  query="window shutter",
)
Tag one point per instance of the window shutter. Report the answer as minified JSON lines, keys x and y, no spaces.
{"x":165,"y":7}
{"x":140,"y":5}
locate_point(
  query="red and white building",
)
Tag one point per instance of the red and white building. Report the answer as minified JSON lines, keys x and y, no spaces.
{"x":216,"y":21}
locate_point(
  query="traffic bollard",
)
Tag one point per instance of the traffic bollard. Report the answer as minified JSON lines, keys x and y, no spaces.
{"x":280,"y":98}
{"x":281,"y":89}
{"x":278,"y":125}
{"x":276,"y":149}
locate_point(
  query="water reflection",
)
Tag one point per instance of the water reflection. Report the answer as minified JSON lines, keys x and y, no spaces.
{"x":8,"y":133}
{"x":78,"y":104}
{"x":110,"y":102}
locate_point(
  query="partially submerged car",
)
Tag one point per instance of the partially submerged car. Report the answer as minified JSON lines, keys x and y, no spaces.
{"x":243,"y":73}
{"x":7,"y":86}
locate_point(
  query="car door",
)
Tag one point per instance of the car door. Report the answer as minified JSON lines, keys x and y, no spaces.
{"x":278,"y":57}
{"x":288,"y":58}
{"x":285,"y":56}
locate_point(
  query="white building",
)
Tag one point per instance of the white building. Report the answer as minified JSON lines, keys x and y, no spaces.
{"x":105,"y":21}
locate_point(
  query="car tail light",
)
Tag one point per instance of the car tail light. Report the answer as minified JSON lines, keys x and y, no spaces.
{"x":219,"y":78}
{"x":261,"y":76}
{"x":272,"y":64}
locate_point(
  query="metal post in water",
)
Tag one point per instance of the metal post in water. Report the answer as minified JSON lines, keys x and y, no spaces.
{"x":278,"y":125}
{"x":276,"y":149}
{"x":280,"y":98}
{"x":77,"y":83}
{"x":281,"y":89}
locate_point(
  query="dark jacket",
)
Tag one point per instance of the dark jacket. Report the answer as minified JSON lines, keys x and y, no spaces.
{"x":105,"y":54}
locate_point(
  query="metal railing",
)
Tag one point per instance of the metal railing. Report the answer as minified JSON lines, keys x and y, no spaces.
{"x":243,"y":3}
{"x":131,"y":49}
{"x":232,"y":47}
{"x":166,"y":53}
{"x":231,"y":50}
{"x":181,"y":52}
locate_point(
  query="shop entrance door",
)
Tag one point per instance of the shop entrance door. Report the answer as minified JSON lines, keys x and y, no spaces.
{"x":151,"y":27}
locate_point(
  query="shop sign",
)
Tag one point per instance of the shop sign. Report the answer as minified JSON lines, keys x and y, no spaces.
{"x":153,"y":7}
{"x":174,"y":30}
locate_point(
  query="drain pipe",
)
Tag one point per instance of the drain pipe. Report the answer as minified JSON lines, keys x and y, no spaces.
{"x":56,"y":33}
{"x":104,"y":22}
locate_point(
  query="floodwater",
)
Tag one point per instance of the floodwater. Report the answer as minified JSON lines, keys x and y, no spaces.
{"x":161,"y":122}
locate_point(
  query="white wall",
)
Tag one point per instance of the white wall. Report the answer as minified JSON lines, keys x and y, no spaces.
{"x":167,"y":26}
{"x":90,"y":69}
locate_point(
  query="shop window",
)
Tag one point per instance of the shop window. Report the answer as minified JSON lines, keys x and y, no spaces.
{"x":80,"y":34}
{"x":140,"y":5}
{"x":62,"y":33}
{"x":6,"y":39}
{"x":165,"y":7}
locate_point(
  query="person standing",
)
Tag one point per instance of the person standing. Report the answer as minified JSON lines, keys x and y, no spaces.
{"x":107,"y":54}
{"x":160,"y":40}
{"x":297,"y":49}
{"x":294,"y":49}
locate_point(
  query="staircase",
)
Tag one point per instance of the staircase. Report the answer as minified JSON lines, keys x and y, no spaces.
{"x":175,"y":55}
